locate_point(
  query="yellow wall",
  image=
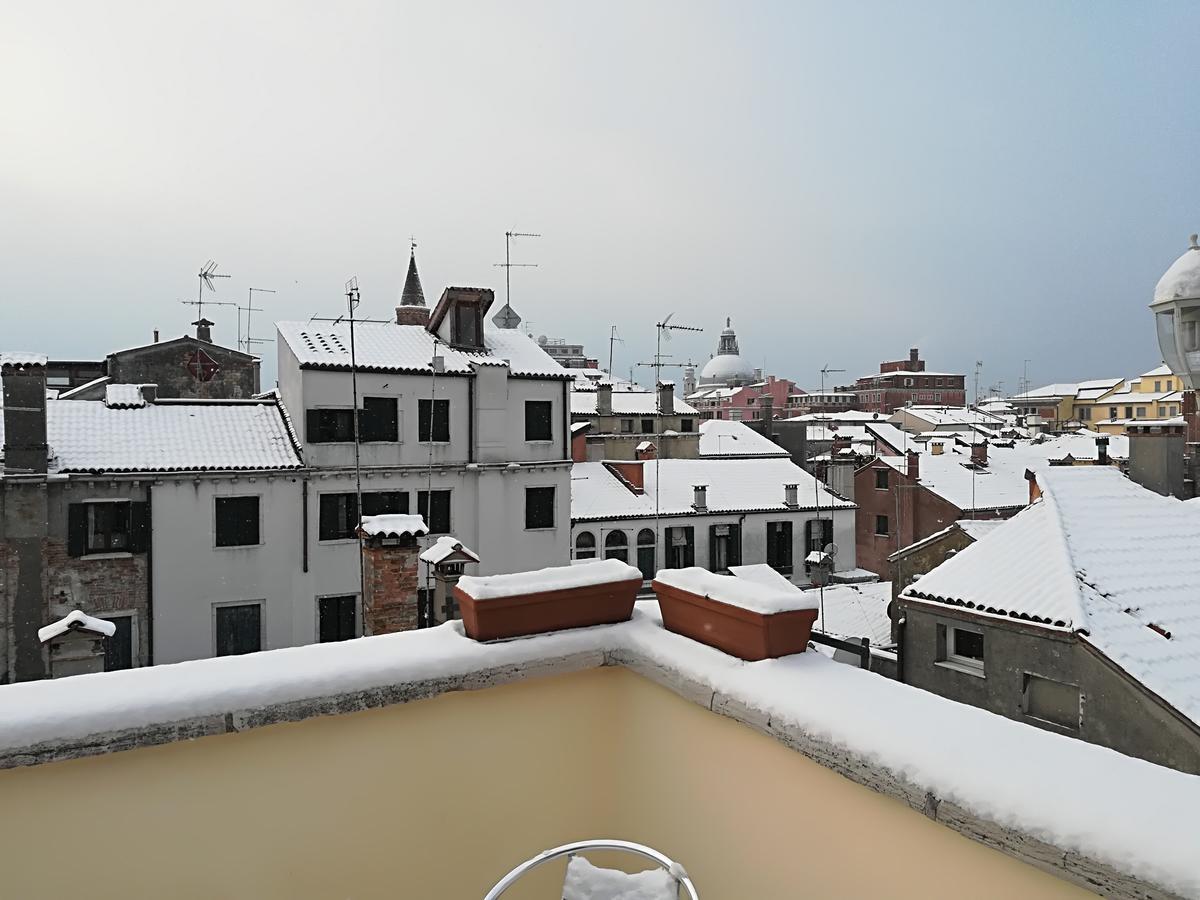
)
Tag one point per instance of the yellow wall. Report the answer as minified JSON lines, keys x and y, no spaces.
{"x":437,"y":799}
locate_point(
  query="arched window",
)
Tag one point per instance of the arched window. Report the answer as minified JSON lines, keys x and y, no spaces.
{"x":585,"y":545}
{"x":616,"y":546}
{"x":645,"y":554}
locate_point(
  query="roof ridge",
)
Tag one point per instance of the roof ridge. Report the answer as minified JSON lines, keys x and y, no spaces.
{"x":1064,"y":545}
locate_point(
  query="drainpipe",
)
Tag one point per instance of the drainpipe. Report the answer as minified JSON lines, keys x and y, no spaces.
{"x":470,"y":423}
{"x":150,"y":574}
{"x":304,"y":521}
{"x":901,"y":628}
{"x":566,"y":416}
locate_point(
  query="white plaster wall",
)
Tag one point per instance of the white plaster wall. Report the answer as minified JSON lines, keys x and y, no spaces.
{"x":191,"y":573}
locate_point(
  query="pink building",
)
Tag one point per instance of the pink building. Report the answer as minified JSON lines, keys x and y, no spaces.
{"x":745,"y":403}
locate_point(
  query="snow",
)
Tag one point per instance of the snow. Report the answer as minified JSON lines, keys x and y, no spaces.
{"x":388,"y":347}
{"x":855,"y":611}
{"x":587,"y":882}
{"x":444,"y":547}
{"x":88,"y":436}
{"x":748,"y":593}
{"x":395,"y":525}
{"x":124,"y":396}
{"x":21,"y":358}
{"x":626,"y":403}
{"x":1182,"y":280}
{"x":76,"y":620}
{"x":721,"y":437}
{"x":555,"y":578}
{"x":734,"y":485}
{"x":942,"y":417}
{"x":1128,"y":813}
{"x":1101,"y":556}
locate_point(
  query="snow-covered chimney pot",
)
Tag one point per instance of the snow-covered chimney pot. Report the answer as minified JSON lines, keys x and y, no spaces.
{"x":790,"y":496}
{"x":979,"y":454}
{"x":604,"y":399}
{"x":666,"y":398}
{"x":149,"y":392}
{"x":700,"y":498}
{"x":913,"y":465}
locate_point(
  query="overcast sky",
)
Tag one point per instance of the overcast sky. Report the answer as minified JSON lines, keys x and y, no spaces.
{"x":994,"y":182}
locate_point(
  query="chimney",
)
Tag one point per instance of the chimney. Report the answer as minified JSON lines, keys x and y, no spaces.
{"x":204,"y":330}
{"x":979,"y":454}
{"x":604,"y":399}
{"x":149,"y":392}
{"x":840,"y":442}
{"x":913,"y":465}
{"x":389,"y":553}
{"x":790,"y":498}
{"x":645,"y":450}
{"x":768,"y":416}
{"x":666,"y":398}
{"x":24,"y":385}
{"x":937,"y":448}
{"x":700,"y":497}
{"x":1102,"y":450}
{"x":1035,"y":491}
{"x":156,"y":335}
{"x":631,"y":473}
{"x":913,"y":355}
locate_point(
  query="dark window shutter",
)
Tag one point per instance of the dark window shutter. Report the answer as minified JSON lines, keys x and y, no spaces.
{"x":139,"y":527}
{"x":77,"y":529}
{"x":312,"y":430}
{"x":735,"y":545}
{"x":689,"y":550}
{"x":712,"y":548}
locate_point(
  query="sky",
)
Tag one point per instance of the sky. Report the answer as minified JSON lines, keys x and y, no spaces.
{"x":988,"y":182}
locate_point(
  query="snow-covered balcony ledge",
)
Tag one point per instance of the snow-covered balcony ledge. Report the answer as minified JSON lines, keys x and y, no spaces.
{"x":1087,"y":814}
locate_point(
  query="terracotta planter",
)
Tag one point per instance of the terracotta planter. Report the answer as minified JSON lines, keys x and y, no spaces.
{"x":508,"y":617}
{"x":739,"y":632}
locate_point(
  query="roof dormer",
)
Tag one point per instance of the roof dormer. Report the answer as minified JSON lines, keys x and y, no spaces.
{"x":458,"y":317}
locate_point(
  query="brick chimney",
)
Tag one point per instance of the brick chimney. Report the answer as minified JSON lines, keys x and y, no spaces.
{"x":389,"y":576}
{"x":645,"y":450}
{"x":24,"y":385}
{"x":913,"y":465}
{"x":979,"y":454}
{"x":666,"y":398}
{"x":604,"y":399}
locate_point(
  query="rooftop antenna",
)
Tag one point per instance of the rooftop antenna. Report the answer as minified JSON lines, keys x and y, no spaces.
{"x":507,"y":317}
{"x":612,"y":338}
{"x":978,"y":369}
{"x":664,"y":329}
{"x":825,"y":370}
{"x":352,"y":300}
{"x":207,"y":273}
{"x":249,"y":308}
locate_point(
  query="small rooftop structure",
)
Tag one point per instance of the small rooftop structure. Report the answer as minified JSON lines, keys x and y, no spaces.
{"x":393,"y":525}
{"x":76,"y":620}
{"x":448,"y":549}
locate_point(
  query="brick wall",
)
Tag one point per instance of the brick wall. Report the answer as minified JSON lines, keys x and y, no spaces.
{"x":390,"y":577}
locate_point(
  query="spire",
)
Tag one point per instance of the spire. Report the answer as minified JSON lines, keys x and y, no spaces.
{"x":412,"y":295}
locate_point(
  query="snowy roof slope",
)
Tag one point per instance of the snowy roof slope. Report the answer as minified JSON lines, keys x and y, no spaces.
{"x":734,"y":485}
{"x":1000,"y":485}
{"x":88,"y":436}
{"x":941,"y":416}
{"x":1082,"y":445}
{"x":857,"y":610}
{"x":721,"y":437}
{"x":388,"y":347}
{"x":1102,"y":556}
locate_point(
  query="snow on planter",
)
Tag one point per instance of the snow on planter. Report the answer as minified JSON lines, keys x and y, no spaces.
{"x":76,"y":621}
{"x":585,"y":881}
{"x":743,"y":618}
{"x":522,"y":603}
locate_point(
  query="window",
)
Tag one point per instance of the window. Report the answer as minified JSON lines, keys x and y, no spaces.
{"x":103,"y":526}
{"x":627,"y":426}
{"x":433,"y":419}
{"x":585,"y":545}
{"x":964,"y":647}
{"x":881,"y":479}
{"x":724,"y":547}
{"x":538,"y":420}
{"x":438,"y":518}
{"x":1162,"y":412}
{"x":337,"y":618}
{"x":881,"y":526}
{"x":647,"y":426}
{"x":1085,"y":413}
{"x":1174,"y":409}
{"x":379,"y":419}
{"x":735,"y":415}
{"x":330,"y":426}
{"x":1129,"y":412}
{"x":1169,"y":385}
{"x":687,"y":425}
{"x":681,"y":547}
{"x":616,"y":546}
{"x":467,"y":331}
{"x":1051,"y":701}
{"x":337,"y":515}
{"x":239,"y":629}
{"x":539,"y":507}
{"x":1158,"y":387}
{"x":779,"y":547}
{"x":1112,"y":412}
{"x":645,"y":554}
{"x":237,"y":521}
{"x":1141,"y":412}
{"x":118,"y":649}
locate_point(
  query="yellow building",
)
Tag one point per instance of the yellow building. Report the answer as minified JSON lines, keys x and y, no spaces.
{"x":1154,"y":396}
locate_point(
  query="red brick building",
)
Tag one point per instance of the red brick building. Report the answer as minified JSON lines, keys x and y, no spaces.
{"x":906,"y":380}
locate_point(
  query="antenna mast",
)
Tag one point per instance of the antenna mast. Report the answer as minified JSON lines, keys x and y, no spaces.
{"x":352,"y":299}
{"x":664,"y":328}
{"x":249,"y":308}
{"x":612,"y":338}
{"x":507,"y":317}
{"x":207,"y":273}
{"x":825,"y":371}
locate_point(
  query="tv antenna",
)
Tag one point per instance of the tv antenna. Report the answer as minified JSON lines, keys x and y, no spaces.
{"x":978,"y":370}
{"x":207,"y":273}
{"x":825,"y":371}
{"x":507,"y":317}
{"x":247,"y":309}
{"x":613,"y":338}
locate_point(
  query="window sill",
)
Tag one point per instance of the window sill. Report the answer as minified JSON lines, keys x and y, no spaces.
{"x":542,"y":528}
{"x":965,"y":669}
{"x":434,"y":443}
{"x":106,"y":554}
{"x":237,"y":546}
{"x":547,"y":441}
{"x":336,"y":541}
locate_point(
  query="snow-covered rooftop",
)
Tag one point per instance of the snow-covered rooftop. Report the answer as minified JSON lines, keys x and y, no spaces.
{"x":1102,"y":556}
{"x":625,"y":403}
{"x":721,"y":437}
{"x":856,"y":611}
{"x":393,"y":525}
{"x":388,"y":347}
{"x":734,"y":485}
{"x":88,"y":436}
{"x":943,"y":416}
{"x":73,"y":621}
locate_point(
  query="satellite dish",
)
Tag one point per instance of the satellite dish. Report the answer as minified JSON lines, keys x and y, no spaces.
{"x":831,"y":550}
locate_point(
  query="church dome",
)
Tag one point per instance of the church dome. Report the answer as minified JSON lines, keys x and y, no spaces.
{"x":1182,"y":280}
{"x":727,"y":367}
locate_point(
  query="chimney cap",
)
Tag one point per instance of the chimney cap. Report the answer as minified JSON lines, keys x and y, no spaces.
{"x":21,"y":359}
